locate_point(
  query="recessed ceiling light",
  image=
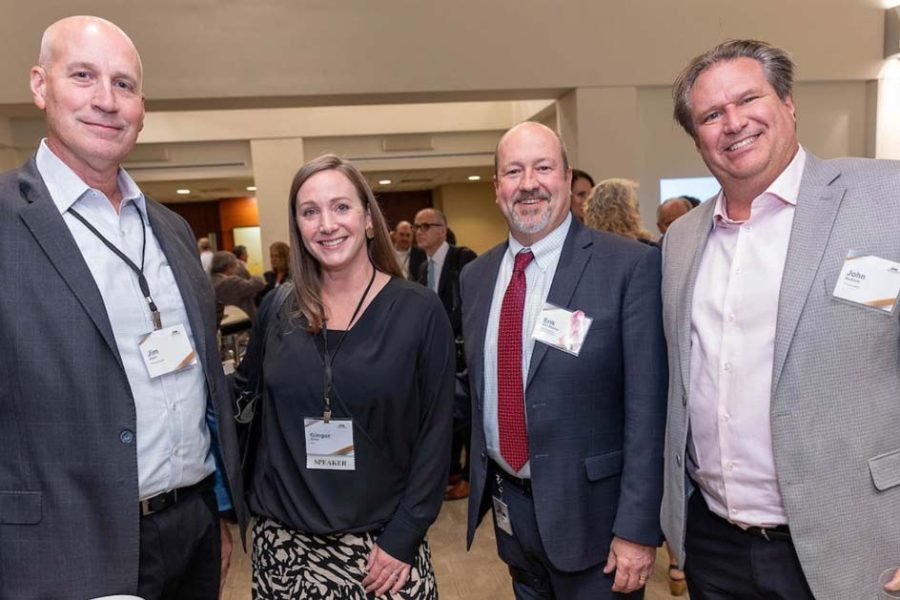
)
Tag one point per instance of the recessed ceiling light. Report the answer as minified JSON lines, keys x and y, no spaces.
{"x":384,"y":182}
{"x":474,"y":177}
{"x":251,"y":188}
{"x":183,"y":192}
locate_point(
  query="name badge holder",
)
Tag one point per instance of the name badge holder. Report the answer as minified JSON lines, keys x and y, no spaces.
{"x":164,"y":350}
{"x":562,"y":329}
{"x":869,"y":282}
{"x":329,"y":441}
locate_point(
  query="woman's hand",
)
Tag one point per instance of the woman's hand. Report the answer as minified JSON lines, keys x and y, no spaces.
{"x":385,"y":573}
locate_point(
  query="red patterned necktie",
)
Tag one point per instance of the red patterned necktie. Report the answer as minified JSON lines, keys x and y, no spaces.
{"x":510,"y":395}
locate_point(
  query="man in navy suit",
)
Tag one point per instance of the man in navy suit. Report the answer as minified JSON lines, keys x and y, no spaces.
{"x":567,"y":373}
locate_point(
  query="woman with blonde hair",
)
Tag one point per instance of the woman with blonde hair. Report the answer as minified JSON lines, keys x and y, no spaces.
{"x":357,"y":371}
{"x":613,"y":207}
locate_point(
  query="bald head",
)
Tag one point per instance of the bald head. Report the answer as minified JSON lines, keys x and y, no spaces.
{"x":528,"y":126}
{"x":402,"y":236}
{"x":63,"y":31}
{"x":669,"y":211}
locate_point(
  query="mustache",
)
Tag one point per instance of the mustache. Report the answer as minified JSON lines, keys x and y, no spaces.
{"x":531,"y":195}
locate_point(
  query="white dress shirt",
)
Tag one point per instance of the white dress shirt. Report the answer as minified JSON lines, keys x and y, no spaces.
{"x":733,"y":316}
{"x":437,"y":261}
{"x":538,"y":277}
{"x":172,"y":436}
{"x":403,"y":259}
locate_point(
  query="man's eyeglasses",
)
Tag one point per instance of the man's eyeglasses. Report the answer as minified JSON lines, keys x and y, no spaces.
{"x":426,"y":226}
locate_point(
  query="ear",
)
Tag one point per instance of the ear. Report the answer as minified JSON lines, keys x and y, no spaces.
{"x":496,"y":189}
{"x":143,"y":112}
{"x":368,"y":217}
{"x":789,"y":102}
{"x":39,"y":87}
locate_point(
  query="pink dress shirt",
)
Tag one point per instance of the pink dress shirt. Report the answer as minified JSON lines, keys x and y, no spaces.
{"x":734,"y":310}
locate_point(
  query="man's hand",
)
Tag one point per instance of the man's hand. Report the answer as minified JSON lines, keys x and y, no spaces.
{"x":385,"y":573}
{"x":632,"y":563}
{"x":894,"y":584}
{"x":227,"y":546}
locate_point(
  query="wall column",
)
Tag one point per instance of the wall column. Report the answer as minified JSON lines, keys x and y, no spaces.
{"x":601,"y":128}
{"x":886,"y":135}
{"x":274,"y":164}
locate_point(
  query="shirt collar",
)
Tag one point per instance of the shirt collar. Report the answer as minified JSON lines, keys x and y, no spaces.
{"x":441,"y":253}
{"x":547,"y":247}
{"x":66,"y":187}
{"x":786,"y":188}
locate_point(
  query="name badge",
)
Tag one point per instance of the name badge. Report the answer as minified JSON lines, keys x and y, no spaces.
{"x":329,"y":445}
{"x":167,"y":350}
{"x":562,"y":329}
{"x":501,"y":516}
{"x":869,"y":281}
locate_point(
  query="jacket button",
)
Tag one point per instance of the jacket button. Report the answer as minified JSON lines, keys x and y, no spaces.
{"x":678,"y":459}
{"x":126,"y":436}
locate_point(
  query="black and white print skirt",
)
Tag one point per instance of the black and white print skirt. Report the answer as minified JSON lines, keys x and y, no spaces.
{"x":290,"y":564}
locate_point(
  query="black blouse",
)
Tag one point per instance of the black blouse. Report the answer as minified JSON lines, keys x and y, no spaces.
{"x":394,"y":376}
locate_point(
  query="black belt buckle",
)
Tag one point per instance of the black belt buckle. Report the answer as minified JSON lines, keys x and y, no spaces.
{"x":780,"y":533}
{"x":167,"y":499}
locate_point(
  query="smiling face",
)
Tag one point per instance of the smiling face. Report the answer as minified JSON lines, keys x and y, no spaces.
{"x":745,"y":133}
{"x":532,"y":183}
{"x":332,"y":221}
{"x":89,"y":87}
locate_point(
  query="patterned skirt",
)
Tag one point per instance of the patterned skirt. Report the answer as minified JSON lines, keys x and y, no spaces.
{"x":290,"y":564}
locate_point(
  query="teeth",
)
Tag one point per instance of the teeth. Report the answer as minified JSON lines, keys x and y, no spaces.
{"x":742,"y":143}
{"x":331,"y":243}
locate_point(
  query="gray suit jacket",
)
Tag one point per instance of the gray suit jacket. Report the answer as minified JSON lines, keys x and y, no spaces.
{"x":595,"y":422}
{"x":835,"y":398}
{"x":68,"y":463}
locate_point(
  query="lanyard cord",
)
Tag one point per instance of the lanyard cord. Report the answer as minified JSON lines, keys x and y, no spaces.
{"x":139,"y":271}
{"x":328,"y":359}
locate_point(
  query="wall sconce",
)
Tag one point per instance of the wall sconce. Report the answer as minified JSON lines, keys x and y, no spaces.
{"x":892,"y":32}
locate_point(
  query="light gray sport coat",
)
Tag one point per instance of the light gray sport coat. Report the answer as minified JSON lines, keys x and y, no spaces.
{"x":835,"y":399}
{"x":69,"y":516}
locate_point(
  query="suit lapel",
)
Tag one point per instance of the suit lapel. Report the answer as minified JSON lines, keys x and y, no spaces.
{"x":444,"y":281}
{"x":484,"y":280}
{"x":696,"y":237}
{"x":180,"y":261}
{"x":43,"y":220}
{"x":817,"y":206}
{"x":574,"y":257}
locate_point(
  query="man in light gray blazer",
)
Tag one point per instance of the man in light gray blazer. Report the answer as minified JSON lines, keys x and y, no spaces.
{"x":108,"y":443}
{"x":783,"y":439}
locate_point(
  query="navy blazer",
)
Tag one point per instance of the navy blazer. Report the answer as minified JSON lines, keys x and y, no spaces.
{"x":69,"y":518}
{"x":595,"y":422}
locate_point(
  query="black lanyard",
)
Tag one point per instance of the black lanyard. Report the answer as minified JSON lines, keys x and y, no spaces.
{"x":139,"y":271}
{"x":328,"y":359}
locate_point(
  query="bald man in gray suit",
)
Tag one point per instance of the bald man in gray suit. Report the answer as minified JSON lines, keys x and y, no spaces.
{"x":781,"y":317}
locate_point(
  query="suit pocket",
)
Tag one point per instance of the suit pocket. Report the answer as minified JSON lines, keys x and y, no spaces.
{"x":20,"y":508}
{"x":603,"y":466}
{"x":885,"y":470}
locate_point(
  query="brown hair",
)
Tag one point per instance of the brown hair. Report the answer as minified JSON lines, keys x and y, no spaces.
{"x":282,"y":251}
{"x":305,"y":269}
{"x":775,"y":62}
{"x":613,"y":207}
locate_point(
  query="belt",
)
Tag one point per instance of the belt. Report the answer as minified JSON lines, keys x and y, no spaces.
{"x":781,"y":533}
{"x":524,"y":485}
{"x":172,"y":497}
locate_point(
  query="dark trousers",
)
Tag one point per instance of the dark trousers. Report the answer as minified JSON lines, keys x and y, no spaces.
{"x":534,"y":578}
{"x":722,"y":562}
{"x":180,"y":550}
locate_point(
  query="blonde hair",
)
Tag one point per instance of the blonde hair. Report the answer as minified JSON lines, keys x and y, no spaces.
{"x":613,"y":207}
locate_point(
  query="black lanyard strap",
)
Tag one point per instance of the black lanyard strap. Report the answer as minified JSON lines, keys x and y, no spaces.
{"x":328,"y":359}
{"x":139,"y":271}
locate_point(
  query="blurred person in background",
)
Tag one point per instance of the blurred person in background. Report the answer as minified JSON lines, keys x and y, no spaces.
{"x":613,"y":207}
{"x":582,"y":184}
